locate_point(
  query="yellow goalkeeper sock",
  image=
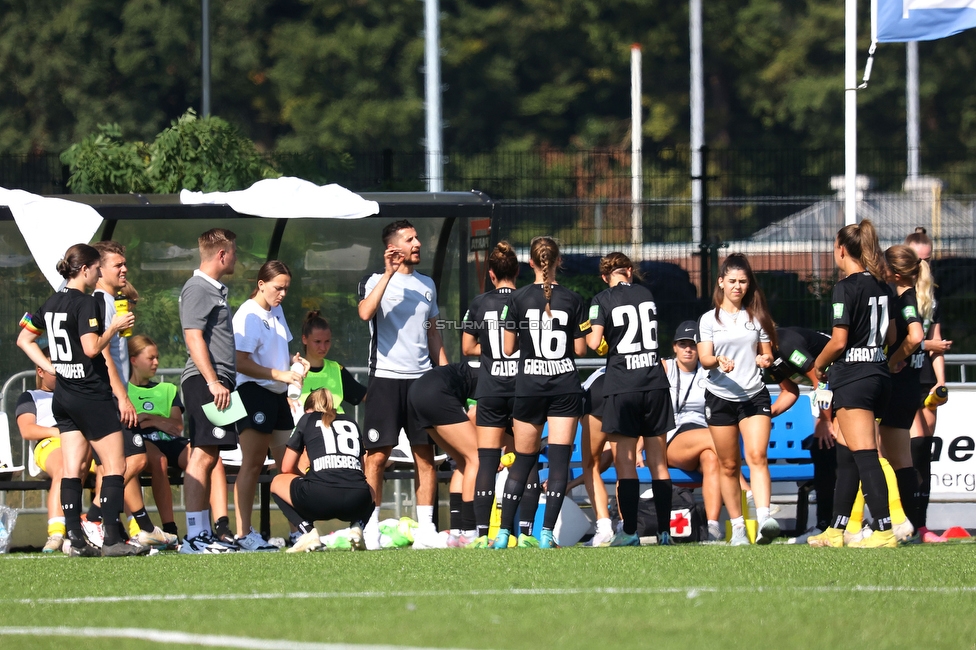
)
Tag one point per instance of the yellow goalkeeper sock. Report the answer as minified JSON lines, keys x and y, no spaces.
{"x":894,"y":496}
{"x":856,"y":522}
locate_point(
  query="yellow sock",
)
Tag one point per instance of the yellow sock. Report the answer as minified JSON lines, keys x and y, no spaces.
{"x":133,"y":527}
{"x":856,"y":522}
{"x":56,"y":528}
{"x":894,"y":497}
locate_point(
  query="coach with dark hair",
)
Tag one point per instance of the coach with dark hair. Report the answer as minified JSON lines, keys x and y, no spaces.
{"x":400,"y":306}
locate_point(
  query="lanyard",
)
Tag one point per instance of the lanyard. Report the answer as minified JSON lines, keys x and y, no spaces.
{"x":691,"y":384}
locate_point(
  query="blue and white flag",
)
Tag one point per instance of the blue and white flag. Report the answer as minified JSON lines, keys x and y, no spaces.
{"x":899,"y":21}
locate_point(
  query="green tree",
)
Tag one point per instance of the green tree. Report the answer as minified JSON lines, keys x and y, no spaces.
{"x":200,"y":154}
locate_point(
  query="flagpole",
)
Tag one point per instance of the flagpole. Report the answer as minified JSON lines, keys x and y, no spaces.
{"x":850,"y":112}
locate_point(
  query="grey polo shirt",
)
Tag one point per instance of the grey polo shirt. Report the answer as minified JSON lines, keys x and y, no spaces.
{"x":203,"y":306}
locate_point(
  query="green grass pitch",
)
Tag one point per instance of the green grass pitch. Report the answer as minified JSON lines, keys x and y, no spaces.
{"x":673,"y":597}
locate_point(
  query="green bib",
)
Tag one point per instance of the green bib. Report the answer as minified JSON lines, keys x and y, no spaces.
{"x":156,"y":399}
{"x":329,"y":377}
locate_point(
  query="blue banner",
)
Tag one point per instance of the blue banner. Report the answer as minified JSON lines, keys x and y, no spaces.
{"x":899,"y":21}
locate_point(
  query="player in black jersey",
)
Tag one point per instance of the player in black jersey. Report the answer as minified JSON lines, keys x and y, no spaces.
{"x":638,"y":393}
{"x":437,"y":402}
{"x":334,"y":486}
{"x":547,"y":324}
{"x":796,"y":351}
{"x":83,"y":403}
{"x":930,"y":356}
{"x":905,"y":270}
{"x":859,"y":380}
{"x":482,"y":337}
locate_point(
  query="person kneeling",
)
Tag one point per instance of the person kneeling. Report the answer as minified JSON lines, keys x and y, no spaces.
{"x":334,"y":486}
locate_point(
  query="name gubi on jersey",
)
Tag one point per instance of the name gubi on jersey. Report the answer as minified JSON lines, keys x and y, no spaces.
{"x":504,"y":368}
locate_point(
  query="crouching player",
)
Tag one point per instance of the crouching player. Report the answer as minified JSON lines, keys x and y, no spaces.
{"x":334,"y":487}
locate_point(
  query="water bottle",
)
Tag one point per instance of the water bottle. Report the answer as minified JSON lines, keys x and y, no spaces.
{"x":122,"y":307}
{"x":294,"y":392}
{"x":936,"y":399}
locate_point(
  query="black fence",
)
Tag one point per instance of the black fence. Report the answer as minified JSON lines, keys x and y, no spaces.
{"x":781,"y":208}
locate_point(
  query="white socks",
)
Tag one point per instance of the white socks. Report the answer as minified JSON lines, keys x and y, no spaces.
{"x":762,"y":514}
{"x":425,"y":516}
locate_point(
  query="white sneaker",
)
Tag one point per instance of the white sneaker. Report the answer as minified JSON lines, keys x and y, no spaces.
{"x":308,"y":542}
{"x":768,"y":531}
{"x":739,"y":536}
{"x":427,"y":537}
{"x":93,"y":530}
{"x":802,"y":539}
{"x":903,"y":531}
{"x":253,"y":542}
{"x":601,"y":538}
{"x":157,"y":538}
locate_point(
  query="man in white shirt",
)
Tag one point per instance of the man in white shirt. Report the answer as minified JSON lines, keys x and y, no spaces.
{"x":401,"y":308}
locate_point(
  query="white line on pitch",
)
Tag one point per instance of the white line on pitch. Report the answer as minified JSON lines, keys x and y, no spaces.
{"x":690,"y":592}
{"x":186,"y":638}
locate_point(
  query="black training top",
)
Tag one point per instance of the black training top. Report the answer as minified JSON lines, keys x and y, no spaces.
{"x":907,"y":308}
{"x":483,"y":322}
{"x":333,"y":452}
{"x":546,"y":344}
{"x":66,"y":317}
{"x":798,"y":349}
{"x":861,"y":303}
{"x":629,"y":318}
{"x":921,"y":358}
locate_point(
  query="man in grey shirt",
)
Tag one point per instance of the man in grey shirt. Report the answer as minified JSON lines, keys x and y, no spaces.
{"x":208,"y":377}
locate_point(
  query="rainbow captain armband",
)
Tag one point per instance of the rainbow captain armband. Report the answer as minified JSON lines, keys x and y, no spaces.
{"x":26,"y":322}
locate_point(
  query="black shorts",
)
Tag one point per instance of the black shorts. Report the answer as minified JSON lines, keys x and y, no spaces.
{"x":95,"y":418}
{"x":594,"y":399}
{"x":438,"y":409}
{"x":201,"y":431}
{"x":725,"y":413}
{"x":903,"y":403}
{"x":388,"y":411}
{"x":869,"y":394}
{"x":687,"y":426}
{"x":318,"y":501}
{"x":266,"y":411}
{"x":495,"y":412}
{"x":537,"y":409}
{"x":639,"y":414}
{"x":172,"y":449}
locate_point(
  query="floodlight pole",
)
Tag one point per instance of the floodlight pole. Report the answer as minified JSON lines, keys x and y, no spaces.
{"x":205,"y":57}
{"x":636,"y":164}
{"x":911,"y":104}
{"x":697,"y":117}
{"x":432,"y":76}
{"x":850,"y":112}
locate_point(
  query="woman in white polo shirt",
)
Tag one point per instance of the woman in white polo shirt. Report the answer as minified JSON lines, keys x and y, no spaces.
{"x":261,"y":337}
{"x":736,"y":341}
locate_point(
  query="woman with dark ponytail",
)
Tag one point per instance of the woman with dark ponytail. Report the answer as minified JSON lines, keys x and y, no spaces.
{"x":482,"y":337}
{"x":84,"y":405}
{"x":736,"y":342}
{"x":547,"y":324}
{"x":860,"y":381}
